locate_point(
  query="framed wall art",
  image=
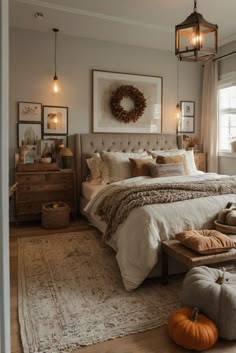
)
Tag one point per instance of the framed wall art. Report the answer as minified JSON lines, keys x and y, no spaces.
{"x":55,"y":120}
{"x":63,"y":138}
{"x":127,"y":103}
{"x":187,"y":118}
{"x":187,"y":108}
{"x":29,"y":112}
{"x":29,"y":134}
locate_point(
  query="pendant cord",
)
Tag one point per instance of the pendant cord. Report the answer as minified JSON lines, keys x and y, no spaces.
{"x":195,"y":5}
{"x":55,"y":30}
{"x":177,"y":81}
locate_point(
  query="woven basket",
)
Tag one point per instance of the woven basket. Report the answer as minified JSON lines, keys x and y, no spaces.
{"x":224,"y":228}
{"x":55,"y":215}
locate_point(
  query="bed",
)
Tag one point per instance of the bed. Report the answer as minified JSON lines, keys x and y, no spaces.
{"x":137,"y":239}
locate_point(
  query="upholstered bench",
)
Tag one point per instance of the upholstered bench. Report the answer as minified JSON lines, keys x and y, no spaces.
{"x":176,"y":250}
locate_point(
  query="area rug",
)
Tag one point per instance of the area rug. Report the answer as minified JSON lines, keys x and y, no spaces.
{"x":71,"y":294}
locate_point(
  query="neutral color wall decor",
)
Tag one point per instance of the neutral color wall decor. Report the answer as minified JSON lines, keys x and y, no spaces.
{"x":76,"y":59}
{"x":149,"y":88}
{"x":29,"y":112}
{"x":55,"y":120}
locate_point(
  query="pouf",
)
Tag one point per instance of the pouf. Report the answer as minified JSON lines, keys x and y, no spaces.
{"x":214,"y":292}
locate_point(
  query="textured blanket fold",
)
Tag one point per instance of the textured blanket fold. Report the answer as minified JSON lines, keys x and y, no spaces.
{"x":117,"y":205}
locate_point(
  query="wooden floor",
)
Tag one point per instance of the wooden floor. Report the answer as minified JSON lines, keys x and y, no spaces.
{"x":153,"y":341}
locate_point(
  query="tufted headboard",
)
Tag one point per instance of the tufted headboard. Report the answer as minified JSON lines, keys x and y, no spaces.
{"x":86,"y":144}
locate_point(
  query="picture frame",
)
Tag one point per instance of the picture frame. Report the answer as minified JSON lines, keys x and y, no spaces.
{"x":29,"y":112}
{"x":56,"y":137}
{"x":186,"y":124}
{"x":106,"y":82}
{"x":187,"y":108}
{"x":29,"y":134}
{"x":55,"y":120}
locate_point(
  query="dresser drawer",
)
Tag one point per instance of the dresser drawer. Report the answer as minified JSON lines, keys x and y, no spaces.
{"x":44,"y":197}
{"x":30,"y":179}
{"x":26,"y":208}
{"x":42,"y":188}
{"x":59,"y":178}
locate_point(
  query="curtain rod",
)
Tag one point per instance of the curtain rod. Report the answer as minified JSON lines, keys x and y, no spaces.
{"x":224,"y":56}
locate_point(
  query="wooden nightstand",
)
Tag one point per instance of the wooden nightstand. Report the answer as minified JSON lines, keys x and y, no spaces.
{"x":201,"y":161}
{"x":37,"y":188}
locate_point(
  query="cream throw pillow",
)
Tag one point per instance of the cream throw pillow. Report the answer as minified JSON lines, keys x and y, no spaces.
{"x":117,"y":165}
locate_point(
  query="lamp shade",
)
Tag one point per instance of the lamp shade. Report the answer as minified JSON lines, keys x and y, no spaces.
{"x":66,"y":152}
{"x":195,"y":38}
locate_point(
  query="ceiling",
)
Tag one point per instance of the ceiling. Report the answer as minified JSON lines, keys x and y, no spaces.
{"x":146,"y":23}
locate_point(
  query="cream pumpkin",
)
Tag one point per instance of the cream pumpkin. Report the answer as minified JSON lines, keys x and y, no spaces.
{"x":214,"y":292}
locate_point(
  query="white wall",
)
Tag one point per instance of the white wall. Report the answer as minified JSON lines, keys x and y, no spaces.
{"x":31,"y":72}
{"x":227,"y":165}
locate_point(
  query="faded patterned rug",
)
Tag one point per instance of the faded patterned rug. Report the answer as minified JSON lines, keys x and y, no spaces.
{"x":71,"y":294}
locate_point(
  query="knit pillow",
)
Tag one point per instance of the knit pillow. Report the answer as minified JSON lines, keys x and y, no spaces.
{"x":206,"y":242}
{"x":173,"y":159}
{"x":166,"y":170}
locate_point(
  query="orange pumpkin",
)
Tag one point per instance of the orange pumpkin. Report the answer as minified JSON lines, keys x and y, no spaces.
{"x":192,"y":330}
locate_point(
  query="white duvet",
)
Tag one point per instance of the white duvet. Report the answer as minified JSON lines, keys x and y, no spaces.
{"x":138,"y":239}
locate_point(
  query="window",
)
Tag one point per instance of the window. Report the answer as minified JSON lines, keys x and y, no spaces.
{"x":227,"y":117}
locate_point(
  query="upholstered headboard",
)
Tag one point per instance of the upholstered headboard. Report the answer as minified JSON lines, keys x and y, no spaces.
{"x":86,"y":144}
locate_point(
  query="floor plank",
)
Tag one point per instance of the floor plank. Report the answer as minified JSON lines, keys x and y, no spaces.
{"x":152,"y":341}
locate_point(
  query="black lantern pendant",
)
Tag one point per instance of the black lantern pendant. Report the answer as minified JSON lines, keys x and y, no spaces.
{"x":195,"y":38}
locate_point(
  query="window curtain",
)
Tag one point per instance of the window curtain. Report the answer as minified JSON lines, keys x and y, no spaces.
{"x":209,"y":120}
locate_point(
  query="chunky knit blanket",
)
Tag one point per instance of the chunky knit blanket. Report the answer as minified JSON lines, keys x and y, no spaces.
{"x":116,"y":206}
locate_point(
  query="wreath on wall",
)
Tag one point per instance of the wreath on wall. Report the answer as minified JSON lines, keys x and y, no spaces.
{"x":127,"y":91}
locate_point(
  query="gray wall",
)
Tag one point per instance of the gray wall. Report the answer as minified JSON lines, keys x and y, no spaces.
{"x":31,"y":72}
{"x":227,"y":165}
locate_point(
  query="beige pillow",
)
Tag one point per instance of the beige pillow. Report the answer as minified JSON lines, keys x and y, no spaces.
{"x":117,"y":164}
{"x":206,"y":242}
{"x":140,"y":167}
{"x":173,"y":159}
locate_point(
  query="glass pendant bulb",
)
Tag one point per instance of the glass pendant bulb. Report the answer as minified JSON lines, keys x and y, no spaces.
{"x":177,"y":111}
{"x":55,"y":85}
{"x":55,"y":78}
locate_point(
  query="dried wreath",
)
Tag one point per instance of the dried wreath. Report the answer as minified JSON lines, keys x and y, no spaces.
{"x":138,"y":98}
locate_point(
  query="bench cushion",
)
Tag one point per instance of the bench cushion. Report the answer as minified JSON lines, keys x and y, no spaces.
{"x":206,"y":242}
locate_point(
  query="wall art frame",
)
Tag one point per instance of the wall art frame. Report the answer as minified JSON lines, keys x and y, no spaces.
{"x":64,"y":138}
{"x":29,"y":112}
{"x":187,"y":119}
{"x":55,"y":120}
{"x":29,"y":134}
{"x":106,"y":82}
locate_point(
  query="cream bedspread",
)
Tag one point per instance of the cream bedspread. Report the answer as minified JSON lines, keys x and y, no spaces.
{"x":138,"y":239}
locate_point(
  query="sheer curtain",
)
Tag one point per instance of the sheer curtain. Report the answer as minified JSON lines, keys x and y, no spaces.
{"x":209,"y":120}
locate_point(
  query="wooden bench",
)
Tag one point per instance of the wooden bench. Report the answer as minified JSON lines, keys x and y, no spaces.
{"x":176,"y":250}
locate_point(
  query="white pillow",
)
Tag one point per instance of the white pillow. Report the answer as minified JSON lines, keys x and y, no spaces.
{"x":167,"y":153}
{"x":117,"y":165}
{"x":189,"y":155}
{"x":95,"y":165}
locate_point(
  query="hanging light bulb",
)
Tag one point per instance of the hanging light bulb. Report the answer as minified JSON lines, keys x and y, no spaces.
{"x":177,"y":111}
{"x":55,"y":79}
{"x":55,"y":85}
{"x":177,"y":105}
